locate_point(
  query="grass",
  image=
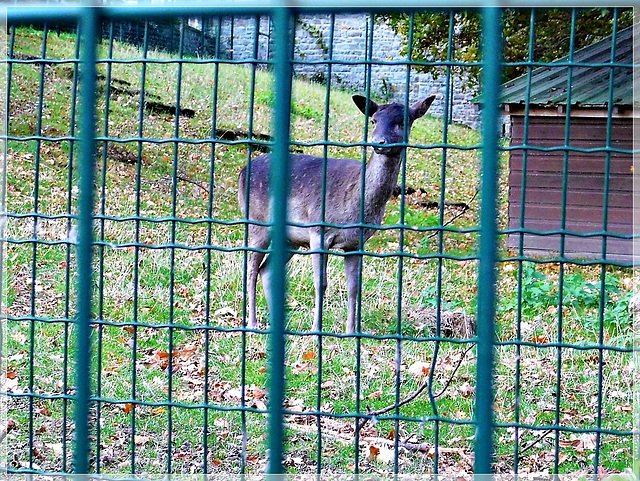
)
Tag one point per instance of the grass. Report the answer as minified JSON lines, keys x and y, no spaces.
{"x":153,"y":301}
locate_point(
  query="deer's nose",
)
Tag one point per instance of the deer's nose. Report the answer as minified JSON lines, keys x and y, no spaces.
{"x":379,"y":139}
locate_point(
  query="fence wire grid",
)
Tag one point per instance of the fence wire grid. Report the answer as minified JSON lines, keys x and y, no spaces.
{"x":493,"y":317}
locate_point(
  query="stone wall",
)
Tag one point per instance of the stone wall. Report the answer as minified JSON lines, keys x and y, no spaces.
{"x":162,"y":35}
{"x":312,"y":51}
{"x":350,"y":51}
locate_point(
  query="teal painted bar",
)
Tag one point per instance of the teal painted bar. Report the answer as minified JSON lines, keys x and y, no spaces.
{"x":53,"y":12}
{"x":279,"y":244}
{"x":488,"y":241}
{"x":89,"y":23}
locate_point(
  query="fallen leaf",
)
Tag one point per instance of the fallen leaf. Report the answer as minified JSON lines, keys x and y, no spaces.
{"x":56,"y":448}
{"x":37,"y":454}
{"x":225,"y":312}
{"x":419,"y":369}
{"x":260,"y":405}
{"x":540,"y":339}
{"x":622,"y":408}
{"x":373,"y":453}
{"x":43,"y":410}
{"x":162,"y":359}
{"x":307,"y":356}
{"x":258,"y":393}
{"x":588,"y":441}
{"x":140,"y":440}
{"x":185,"y":353}
{"x":301,"y":367}
{"x":386,"y":455}
{"x":566,"y":444}
{"x":375,"y":395}
{"x":466,"y":390}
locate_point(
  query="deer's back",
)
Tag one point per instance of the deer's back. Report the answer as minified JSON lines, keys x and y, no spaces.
{"x":342,"y":197}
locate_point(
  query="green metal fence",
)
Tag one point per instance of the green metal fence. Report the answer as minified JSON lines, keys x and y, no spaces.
{"x":126,"y":264}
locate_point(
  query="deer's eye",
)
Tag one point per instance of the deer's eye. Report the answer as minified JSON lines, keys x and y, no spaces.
{"x":373,"y":121}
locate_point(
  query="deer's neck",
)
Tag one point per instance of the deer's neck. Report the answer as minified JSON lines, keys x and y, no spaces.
{"x":381,"y":177}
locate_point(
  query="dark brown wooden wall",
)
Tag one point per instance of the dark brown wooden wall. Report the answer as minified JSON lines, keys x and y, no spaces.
{"x":585,"y":186}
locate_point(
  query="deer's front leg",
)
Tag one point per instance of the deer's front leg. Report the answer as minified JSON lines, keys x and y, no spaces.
{"x":352,"y":268}
{"x":319,"y":279}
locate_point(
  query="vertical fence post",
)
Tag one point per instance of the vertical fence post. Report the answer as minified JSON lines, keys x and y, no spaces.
{"x":636,"y":232}
{"x":488,"y":240}
{"x":278,"y":256}
{"x":88,"y":21}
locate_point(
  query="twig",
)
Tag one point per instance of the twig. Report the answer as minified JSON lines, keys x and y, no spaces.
{"x":533,"y":443}
{"x":427,"y":204}
{"x":194,"y":182}
{"x":347,"y":439}
{"x":446,"y":385}
{"x":416,"y":393}
{"x":459,"y":214}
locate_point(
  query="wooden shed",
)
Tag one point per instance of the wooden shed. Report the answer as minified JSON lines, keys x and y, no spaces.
{"x":542,"y":150}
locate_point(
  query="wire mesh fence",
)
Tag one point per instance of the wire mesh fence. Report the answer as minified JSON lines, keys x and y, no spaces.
{"x":489,"y":334}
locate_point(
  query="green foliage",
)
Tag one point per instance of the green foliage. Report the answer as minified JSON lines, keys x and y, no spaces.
{"x":537,"y":294}
{"x":580,"y":298}
{"x":552,"y":36}
{"x":430,"y":296}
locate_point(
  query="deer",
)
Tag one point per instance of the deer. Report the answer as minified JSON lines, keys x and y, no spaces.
{"x":341,"y":228}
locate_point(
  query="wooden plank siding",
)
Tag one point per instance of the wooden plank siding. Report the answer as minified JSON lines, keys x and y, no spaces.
{"x":585,"y":183}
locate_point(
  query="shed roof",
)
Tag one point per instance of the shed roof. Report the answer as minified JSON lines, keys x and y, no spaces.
{"x":589,"y":83}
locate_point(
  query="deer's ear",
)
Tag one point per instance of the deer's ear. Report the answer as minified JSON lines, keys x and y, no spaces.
{"x":361,"y":103}
{"x":420,"y":108}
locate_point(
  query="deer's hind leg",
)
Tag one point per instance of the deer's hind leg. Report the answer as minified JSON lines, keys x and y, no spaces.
{"x":258,"y":242}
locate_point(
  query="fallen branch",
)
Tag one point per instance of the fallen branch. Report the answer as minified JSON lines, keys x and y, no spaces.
{"x":533,"y":443}
{"x":346,"y":439}
{"x":416,"y":393}
{"x":459,"y":214}
{"x":194,"y":182}
{"x":446,"y":385}
{"x":427,"y":204}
